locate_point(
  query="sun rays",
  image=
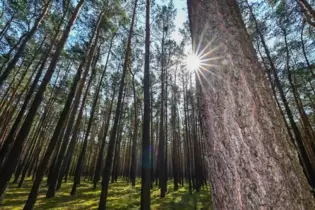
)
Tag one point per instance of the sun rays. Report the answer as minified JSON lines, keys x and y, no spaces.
{"x":205,"y":61}
{"x":192,"y":62}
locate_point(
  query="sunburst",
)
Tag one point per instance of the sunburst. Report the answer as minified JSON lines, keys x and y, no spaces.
{"x":204,"y":61}
{"x":192,"y":62}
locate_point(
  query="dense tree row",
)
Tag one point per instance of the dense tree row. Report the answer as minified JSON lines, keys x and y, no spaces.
{"x":72,"y":98}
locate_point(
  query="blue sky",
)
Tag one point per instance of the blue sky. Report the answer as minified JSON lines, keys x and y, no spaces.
{"x":181,"y":17}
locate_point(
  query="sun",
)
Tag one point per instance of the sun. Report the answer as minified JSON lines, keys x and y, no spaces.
{"x":192,"y":62}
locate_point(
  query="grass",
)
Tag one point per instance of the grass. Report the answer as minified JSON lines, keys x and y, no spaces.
{"x":120,"y":196}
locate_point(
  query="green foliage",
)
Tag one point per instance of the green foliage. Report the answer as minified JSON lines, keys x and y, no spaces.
{"x":19,"y":5}
{"x":121,"y":196}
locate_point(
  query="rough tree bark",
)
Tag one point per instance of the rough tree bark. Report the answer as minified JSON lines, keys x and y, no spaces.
{"x":252,"y":163}
{"x":307,"y":162}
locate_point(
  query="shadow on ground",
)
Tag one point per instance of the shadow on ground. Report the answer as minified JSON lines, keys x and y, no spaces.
{"x":121,"y":196}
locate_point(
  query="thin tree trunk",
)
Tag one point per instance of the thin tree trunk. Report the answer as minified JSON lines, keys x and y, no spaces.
{"x":309,"y":67}
{"x":161,"y":154}
{"x":14,"y":155}
{"x":78,"y":169}
{"x":20,"y":50}
{"x":97,"y":172}
{"x":37,"y":100}
{"x":135,"y":134}
{"x":5,"y":149}
{"x":308,"y":11}
{"x":69,"y":154}
{"x":111,"y":143}
{"x":75,"y":92}
{"x":146,"y":163}
{"x":7,"y":25}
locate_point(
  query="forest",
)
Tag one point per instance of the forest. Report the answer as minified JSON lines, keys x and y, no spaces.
{"x":157,"y":104}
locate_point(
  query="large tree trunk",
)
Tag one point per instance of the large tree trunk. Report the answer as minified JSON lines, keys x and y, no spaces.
{"x":307,"y":162}
{"x":252,"y":164}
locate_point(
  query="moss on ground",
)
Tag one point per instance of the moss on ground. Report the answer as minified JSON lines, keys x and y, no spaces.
{"x":120,"y":196}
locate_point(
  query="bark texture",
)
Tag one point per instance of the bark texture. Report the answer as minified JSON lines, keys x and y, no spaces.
{"x":251,"y":162}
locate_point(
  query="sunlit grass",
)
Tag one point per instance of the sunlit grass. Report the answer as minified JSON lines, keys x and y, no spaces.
{"x":121,"y":196}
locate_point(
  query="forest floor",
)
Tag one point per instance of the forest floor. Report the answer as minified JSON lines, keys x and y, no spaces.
{"x":120,"y":196}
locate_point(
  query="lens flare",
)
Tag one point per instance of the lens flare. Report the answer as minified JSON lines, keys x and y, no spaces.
{"x":192,"y":62}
